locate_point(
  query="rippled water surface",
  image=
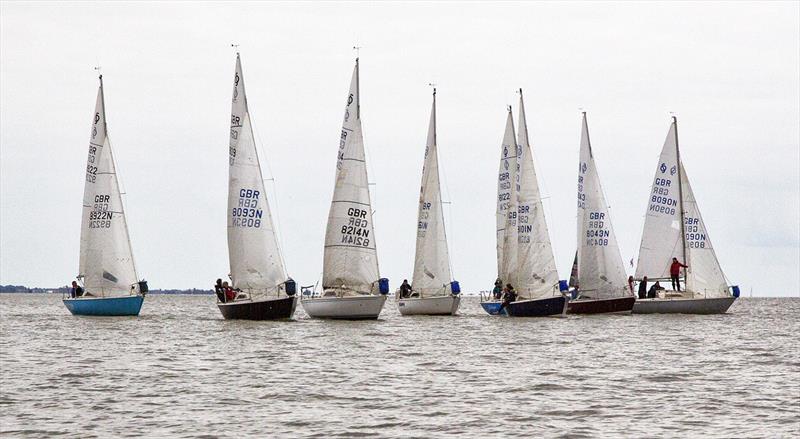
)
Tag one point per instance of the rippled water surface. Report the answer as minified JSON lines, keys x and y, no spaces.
{"x":180,"y":370}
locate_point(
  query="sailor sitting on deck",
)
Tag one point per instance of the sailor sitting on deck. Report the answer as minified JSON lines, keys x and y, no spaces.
{"x":405,"y":289}
{"x":76,"y":290}
{"x":509,"y":295}
{"x":230,"y":294}
{"x":497,"y":292}
{"x":219,"y":291}
{"x":652,"y":293}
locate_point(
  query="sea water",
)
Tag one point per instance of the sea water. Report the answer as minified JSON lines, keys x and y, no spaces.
{"x":180,"y":370}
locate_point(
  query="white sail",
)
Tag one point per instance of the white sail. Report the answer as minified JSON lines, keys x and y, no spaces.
{"x":537,"y":274}
{"x":253,"y":252}
{"x":601,"y":273}
{"x":662,"y":238}
{"x":432,"y":260}
{"x":704,"y":275}
{"x":106,"y":261}
{"x":507,"y":191}
{"x":350,"y":264}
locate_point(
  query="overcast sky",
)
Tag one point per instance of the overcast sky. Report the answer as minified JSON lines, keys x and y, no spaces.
{"x":730,"y":71}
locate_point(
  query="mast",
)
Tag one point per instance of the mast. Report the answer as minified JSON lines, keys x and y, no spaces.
{"x":680,"y":201}
{"x":358,"y":91}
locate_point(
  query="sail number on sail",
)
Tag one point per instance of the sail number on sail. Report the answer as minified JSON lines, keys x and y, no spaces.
{"x":660,"y":199}
{"x":422,"y":225}
{"x":100,"y":217}
{"x":524,"y":228}
{"x":356,"y":231}
{"x":596,"y":233}
{"x":695,"y":235}
{"x":247,"y":213}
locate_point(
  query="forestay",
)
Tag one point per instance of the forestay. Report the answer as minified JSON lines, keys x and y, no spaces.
{"x":106,"y":261}
{"x":536,"y":273}
{"x":507,"y":190}
{"x":350,"y":263}
{"x":662,"y":239}
{"x":253,"y":252}
{"x":601,"y":273}
{"x":432,"y":260}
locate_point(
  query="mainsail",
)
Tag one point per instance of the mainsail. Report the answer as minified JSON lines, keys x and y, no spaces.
{"x":255,"y":259}
{"x":350,"y":262}
{"x":666,"y":236}
{"x":431,"y":261}
{"x":536,"y":265}
{"x":106,"y":261}
{"x":507,"y":191}
{"x":601,"y":273}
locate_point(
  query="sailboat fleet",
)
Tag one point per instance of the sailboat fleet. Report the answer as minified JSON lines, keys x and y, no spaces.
{"x":675,"y":243}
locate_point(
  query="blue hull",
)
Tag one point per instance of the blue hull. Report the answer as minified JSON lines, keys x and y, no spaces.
{"x":105,"y":306}
{"x":493,"y":308}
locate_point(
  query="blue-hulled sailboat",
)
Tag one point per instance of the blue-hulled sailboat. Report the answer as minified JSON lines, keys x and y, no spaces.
{"x":106,"y":267}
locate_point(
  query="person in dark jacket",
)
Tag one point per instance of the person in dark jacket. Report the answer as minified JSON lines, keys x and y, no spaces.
{"x":76,"y":290}
{"x":675,"y":273}
{"x":405,"y":289}
{"x":509,"y":295}
{"x":643,"y":288}
{"x":653,"y":292}
{"x":497,"y":292}
{"x":219,"y":291}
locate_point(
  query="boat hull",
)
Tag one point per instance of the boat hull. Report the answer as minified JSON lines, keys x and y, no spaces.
{"x":618,"y":305}
{"x":716,"y":305}
{"x":548,"y":306}
{"x":433,"y":306}
{"x":266,"y":309}
{"x":105,"y":306}
{"x":492,"y":307}
{"x":366,"y":307}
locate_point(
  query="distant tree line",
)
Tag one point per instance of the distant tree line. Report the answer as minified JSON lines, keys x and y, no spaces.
{"x":65,"y":289}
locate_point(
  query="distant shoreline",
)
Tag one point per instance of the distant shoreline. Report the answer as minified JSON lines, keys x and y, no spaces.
{"x":21,"y":289}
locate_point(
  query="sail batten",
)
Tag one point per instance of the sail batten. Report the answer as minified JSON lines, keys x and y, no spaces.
{"x":350,"y":262}
{"x":431,"y":260}
{"x":601,"y":272}
{"x":106,"y":260}
{"x":254,"y":255}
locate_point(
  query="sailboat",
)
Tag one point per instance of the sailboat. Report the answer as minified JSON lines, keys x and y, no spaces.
{"x":602,"y":282}
{"x":263,"y":291}
{"x":434,"y":292}
{"x":351,"y":284}
{"x":674,"y":228}
{"x":106,"y":267}
{"x":524,"y":252}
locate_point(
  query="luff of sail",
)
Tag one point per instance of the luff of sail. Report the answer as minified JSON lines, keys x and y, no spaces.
{"x":537,"y":273}
{"x":106,"y":261}
{"x":431,"y":260}
{"x":601,"y":272}
{"x":507,"y":191}
{"x":350,"y":263}
{"x":253,"y":252}
{"x":663,"y":237}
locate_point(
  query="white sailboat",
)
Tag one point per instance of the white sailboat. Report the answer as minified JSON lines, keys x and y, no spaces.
{"x":106,"y":267}
{"x":674,"y":228}
{"x":434,"y":291}
{"x":524,"y":251}
{"x":351,"y":284}
{"x":602,"y":283}
{"x":263,"y":290}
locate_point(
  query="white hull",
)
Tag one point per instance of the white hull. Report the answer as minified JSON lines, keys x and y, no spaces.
{"x":717,"y":305}
{"x":351,"y":307}
{"x":441,"y":305}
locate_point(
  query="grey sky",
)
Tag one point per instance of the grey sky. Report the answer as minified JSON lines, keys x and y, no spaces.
{"x":730,"y":71}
